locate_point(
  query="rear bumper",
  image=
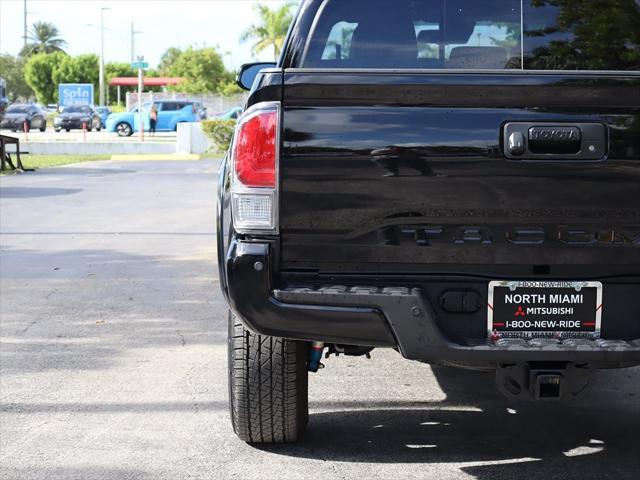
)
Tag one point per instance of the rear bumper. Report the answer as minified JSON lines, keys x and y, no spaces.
{"x":400,"y":317}
{"x":11,"y":124}
{"x":71,"y":124}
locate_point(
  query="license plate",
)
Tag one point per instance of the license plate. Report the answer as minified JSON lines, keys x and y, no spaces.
{"x":529,"y":309}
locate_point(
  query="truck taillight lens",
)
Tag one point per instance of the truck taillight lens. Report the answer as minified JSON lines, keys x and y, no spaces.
{"x":254,"y":156}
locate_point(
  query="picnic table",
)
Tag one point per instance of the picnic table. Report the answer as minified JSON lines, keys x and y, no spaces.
{"x":5,"y":156}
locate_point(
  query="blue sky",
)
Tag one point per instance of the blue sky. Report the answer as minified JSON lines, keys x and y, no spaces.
{"x":163,"y":23}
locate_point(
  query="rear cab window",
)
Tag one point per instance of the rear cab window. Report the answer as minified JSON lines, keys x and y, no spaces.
{"x":476,"y":34}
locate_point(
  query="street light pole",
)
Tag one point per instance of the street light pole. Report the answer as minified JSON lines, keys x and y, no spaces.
{"x":102,"y":102}
{"x":24,"y":14}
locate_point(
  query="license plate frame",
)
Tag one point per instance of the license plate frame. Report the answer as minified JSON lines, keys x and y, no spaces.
{"x":524,"y":313}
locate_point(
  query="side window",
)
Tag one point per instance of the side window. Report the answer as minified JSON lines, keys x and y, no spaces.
{"x":338,"y":46}
{"x":491,"y":44}
{"x":476,"y":34}
{"x":170,"y":106}
{"x":428,"y":36}
{"x":456,"y":34}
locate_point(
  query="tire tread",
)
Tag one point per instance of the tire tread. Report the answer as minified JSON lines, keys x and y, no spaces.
{"x":267,"y":386}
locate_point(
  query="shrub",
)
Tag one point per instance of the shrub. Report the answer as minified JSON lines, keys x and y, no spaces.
{"x":220,"y":131}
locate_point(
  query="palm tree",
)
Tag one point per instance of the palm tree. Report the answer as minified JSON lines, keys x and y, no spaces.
{"x":271,"y":31}
{"x":43,"y":38}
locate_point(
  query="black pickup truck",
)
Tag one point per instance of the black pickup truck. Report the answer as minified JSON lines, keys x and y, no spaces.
{"x":458,"y":180}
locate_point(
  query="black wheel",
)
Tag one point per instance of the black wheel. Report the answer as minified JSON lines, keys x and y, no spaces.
{"x":43,"y":127}
{"x":267,"y":386}
{"x":57,"y":130}
{"x":67,"y":130}
{"x":124,"y":129}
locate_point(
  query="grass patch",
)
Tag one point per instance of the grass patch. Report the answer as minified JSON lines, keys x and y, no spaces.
{"x":212,"y":156}
{"x":44,"y":161}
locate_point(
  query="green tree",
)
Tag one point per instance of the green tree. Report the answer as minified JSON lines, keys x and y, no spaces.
{"x":80,"y":69}
{"x":168,"y":58}
{"x":229,"y":88}
{"x":44,"y":37}
{"x":38,"y":73}
{"x":12,"y":69}
{"x":202,"y":69}
{"x":270,"y":33}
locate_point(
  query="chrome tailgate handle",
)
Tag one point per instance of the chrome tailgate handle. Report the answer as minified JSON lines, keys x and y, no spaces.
{"x":554,"y":141}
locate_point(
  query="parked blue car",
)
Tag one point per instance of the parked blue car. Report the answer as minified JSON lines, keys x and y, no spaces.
{"x":170,"y":113}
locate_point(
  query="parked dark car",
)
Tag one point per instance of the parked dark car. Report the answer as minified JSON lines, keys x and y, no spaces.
{"x":24,"y":117}
{"x":3,"y":98}
{"x":458,"y":180}
{"x":77,"y":117}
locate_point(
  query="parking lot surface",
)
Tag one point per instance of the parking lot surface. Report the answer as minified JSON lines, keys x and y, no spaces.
{"x":113,"y":360}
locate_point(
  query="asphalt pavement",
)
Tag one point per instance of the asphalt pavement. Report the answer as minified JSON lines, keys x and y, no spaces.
{"x":113,"y":360}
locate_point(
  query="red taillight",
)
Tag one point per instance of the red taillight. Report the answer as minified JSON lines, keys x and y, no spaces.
{"x":254,"y":156}
{"x":255,"y":148}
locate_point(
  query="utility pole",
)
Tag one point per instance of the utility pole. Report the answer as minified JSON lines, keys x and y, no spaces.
{"x":133,"y":43}
{"x":101,"y":80}
{"x":140,"y":88}
{"x":24,"y":15}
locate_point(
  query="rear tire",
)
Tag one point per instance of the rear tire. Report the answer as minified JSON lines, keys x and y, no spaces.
{"x":267,"y":386}
{"x":43,"y":127}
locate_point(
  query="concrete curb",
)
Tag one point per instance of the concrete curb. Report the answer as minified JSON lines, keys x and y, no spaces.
{"x":156,"y":157}
{"x":90,"y":148}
